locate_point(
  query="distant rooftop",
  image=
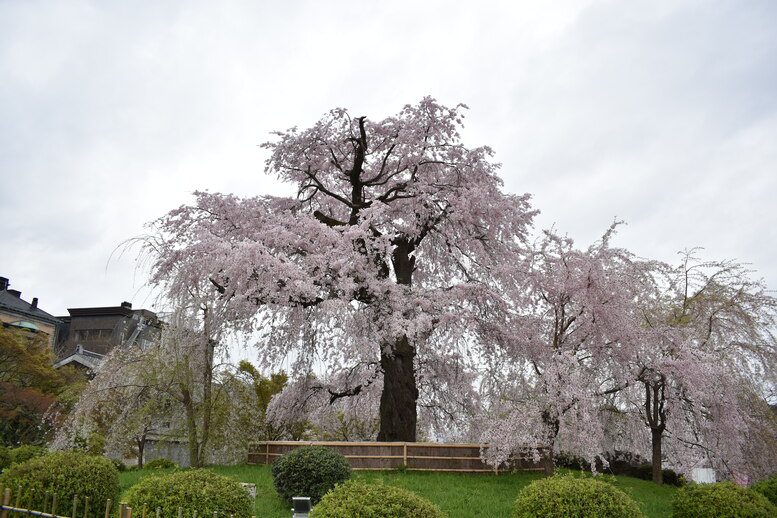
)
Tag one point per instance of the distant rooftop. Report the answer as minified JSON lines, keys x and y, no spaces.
{"x":11,"y":301}
{"x":125,"y":309}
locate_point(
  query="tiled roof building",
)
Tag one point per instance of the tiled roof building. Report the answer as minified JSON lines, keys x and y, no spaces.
{"x":88,"y":334}
{"x":17,"y":312}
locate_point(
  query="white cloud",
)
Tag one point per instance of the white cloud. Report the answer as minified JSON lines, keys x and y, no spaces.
{"x":112,"y":113}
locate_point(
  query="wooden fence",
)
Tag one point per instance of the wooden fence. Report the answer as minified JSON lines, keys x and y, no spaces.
{"x":413,"y":456}
{"x":19,"y":504}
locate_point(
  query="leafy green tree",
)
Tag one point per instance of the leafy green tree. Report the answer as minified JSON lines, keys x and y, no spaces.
{"x":29,"y":385}
{"x":258,"y":397}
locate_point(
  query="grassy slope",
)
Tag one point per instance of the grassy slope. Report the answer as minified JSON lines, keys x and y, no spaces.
{"x":459,"y":495}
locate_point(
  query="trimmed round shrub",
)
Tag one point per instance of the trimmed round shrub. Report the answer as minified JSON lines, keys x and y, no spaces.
{"x":376,"y":501}
{"x":564,"y":496}
{"x":67,"y":474}
{"x":160,"y":464}
{"x":197,"y":490}
{"x":309,"y":471}
{"x":721,"y":500}
{"x":27,"y":452}
{"x":768,"y":488}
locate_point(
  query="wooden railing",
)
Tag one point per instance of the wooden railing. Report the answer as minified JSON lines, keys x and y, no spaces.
{"x":44,"y":505}
{"x":18,"y":504}
{"x":412,"y":456}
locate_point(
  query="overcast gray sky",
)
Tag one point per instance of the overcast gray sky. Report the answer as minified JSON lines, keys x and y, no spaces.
{"x":660,"y":113}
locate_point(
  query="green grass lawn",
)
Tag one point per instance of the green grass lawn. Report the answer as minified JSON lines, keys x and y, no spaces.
{"x":459,"y":495}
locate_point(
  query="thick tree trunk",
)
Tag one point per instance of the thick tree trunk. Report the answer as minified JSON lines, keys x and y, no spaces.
{"x":398,"y":413}
{"x":658,"y":472}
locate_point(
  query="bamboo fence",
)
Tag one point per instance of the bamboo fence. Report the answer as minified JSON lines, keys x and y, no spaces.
{"x":43,"y":506}
{"x":412,"y":456}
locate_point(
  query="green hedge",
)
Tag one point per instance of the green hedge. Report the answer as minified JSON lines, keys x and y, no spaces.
{"x":672,"y":478}
{"x":119,"y":464}
{"x":5,"y":458}
{"x":565,"y":496}
{"x":356,"y":499}
{"x":161,"y":463}
{"x":27,"y":452}
{"x":197,"y":490}
{"x":721,"y":500}
{"x":67,"y":474}
{"x":768,"y":488}
{"x":309,"y":471}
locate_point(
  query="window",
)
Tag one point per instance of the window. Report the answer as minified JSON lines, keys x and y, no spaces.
{"x":87,"y":335}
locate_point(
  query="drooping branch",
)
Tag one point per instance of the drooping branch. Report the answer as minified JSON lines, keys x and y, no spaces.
{"x":328,"y":220}
{"x":355,"y":391}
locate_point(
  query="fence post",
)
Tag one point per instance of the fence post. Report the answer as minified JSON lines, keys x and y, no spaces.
{"x":6,"y":501}
{"x":75,"y":504}
{"x":108,"y":508}
{"x":86,"y":507}
{"x":54,"y":504}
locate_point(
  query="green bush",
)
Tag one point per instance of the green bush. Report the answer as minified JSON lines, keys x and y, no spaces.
{"x":309,"y":471}
{"x":374,"y":501}
{"x":672,"y":478}
{"x":120,"y":466}
{"x":67,"y":474}
{"x":767,"y":487}
{"x":160,"y":464}
{"x":722,"y":500}
{"x":26,"y":452}
{"x":565,"y":496}
{"x":5,"y":458}
{"x":564,"y":459}
{"x":623,"y":463}
{"x":644,"y":471}
{"x":197,"y":490}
